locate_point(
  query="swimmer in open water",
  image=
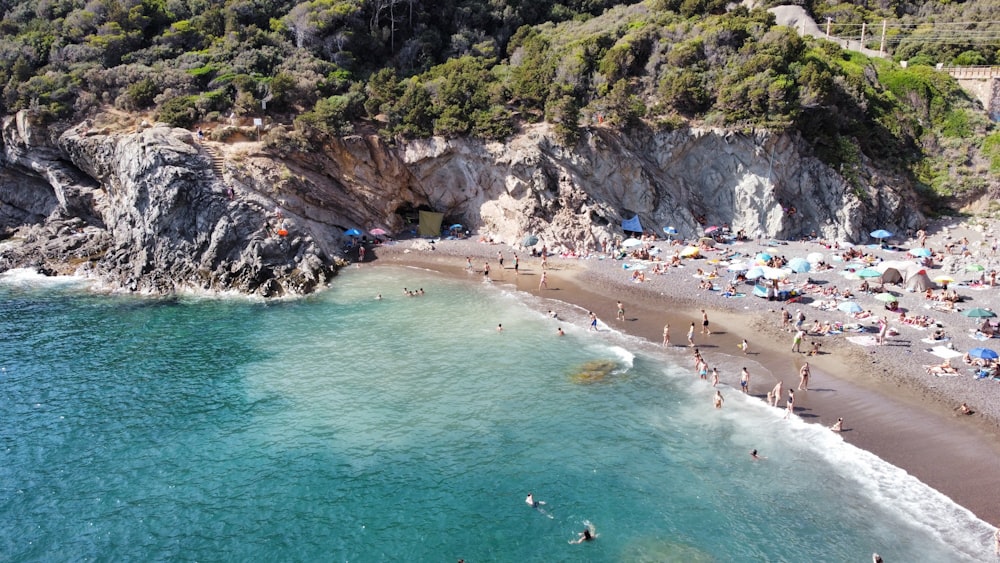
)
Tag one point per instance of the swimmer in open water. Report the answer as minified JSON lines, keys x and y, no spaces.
{"x":588,"y":534}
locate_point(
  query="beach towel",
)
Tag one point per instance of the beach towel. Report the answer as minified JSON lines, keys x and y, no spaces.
{"x":932,"y":341}
{"x":865,"y":340}
{"x":944,"y":352}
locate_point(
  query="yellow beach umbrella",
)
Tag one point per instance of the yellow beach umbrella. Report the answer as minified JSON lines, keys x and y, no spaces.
{"x":690,"y":252}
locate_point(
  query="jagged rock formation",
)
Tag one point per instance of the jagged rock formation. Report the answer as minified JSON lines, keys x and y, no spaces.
{"x":156,"y":210}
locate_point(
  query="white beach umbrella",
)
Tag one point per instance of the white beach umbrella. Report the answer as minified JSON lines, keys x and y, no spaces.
{"x":815,"y":257}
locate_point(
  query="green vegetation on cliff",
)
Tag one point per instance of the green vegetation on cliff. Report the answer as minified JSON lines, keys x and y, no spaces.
{"x":412,"y":68}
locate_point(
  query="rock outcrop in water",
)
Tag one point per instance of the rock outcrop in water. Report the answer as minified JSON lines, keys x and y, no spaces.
{"x":155,"y":209}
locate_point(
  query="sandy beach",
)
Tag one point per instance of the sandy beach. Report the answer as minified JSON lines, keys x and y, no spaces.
{"x":890,"y":404}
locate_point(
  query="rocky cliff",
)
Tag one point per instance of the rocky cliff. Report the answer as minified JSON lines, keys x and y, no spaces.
{"x":155,"y":209}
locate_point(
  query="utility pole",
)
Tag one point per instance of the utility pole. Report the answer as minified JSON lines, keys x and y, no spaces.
{"x":828,"y":20}
{"x":881,"y":45}
{"x":863,"y":27}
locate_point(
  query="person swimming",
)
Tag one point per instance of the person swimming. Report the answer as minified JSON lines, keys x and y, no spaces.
{"x":588,"y":534}
{"x":530,"y":501}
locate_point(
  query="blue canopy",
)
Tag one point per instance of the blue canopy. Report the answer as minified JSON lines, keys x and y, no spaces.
{"x":352,"y":233}
{"x":880,"y":234}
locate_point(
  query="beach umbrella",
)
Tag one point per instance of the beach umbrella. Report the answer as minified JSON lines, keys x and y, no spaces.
{"x":944,"y":279}
{"x":799,"y":265}
{"x":710,"y":230}
{"x":775,"y":273}
{"x":530,"y":240}
{"x":880,"y":234}
{"x":378,"y":232}
{"x":755,"y":272}
{"x":983,"y":354}
{"x":851,"y":276}
{"x":978,"y":313}
{"x":850,"y":307}
{"x":670,"y":230}
{"x":455,"y":226}
{"x":815,"y":257}
{"x":920,"y":252}
{"x":886,"y":297}
{"x":974,"y":268}
{"x":763,"y":256}
{"x":352,"y":233}
{"x":690,"y":252}
{"x":706,"y":241}
{"x":738,"y":267}
{"x":869,"y":273}
{"x":630,"y":242}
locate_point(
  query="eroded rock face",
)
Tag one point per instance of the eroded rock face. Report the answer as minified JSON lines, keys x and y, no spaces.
{"x":156,"y":210}
{"x":144,"y":211}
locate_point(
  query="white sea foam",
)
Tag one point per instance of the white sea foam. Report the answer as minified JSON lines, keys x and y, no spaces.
{"x":29,"y":278}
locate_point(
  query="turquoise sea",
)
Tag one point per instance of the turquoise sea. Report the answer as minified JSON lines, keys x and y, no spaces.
{"x":343,"y":428}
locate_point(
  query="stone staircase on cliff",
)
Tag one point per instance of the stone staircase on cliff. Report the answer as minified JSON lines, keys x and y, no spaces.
{"x":217,"y":160}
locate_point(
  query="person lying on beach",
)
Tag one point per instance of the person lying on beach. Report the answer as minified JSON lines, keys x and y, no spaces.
{"x":944,"y":367}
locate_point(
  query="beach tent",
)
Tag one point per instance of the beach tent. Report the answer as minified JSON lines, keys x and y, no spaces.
{"x":430,"y":224}
{"x":891,"y":275}
{"x":919,"y":282}
{"x":632,"y":225}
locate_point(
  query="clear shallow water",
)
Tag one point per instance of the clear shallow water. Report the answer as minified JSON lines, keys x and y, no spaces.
{"x":343,"y":428}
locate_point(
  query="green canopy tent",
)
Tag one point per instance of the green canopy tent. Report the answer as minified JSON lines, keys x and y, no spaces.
{"x":430,"y":224}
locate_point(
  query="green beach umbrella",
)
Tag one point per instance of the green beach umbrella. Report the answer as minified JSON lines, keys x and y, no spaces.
{"x":886,"y":297}
{"x":869,"y":273}
{"x":979,"y":313}
{"x":974,"y":268}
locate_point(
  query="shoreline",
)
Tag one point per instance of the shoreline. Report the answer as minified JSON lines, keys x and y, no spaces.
{"x":887,"y":411}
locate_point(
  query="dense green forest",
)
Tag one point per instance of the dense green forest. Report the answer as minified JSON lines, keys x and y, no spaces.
{"x":483,"y":68}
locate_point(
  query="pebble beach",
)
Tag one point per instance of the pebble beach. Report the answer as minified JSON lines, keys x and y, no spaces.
{"x":890,"y":403}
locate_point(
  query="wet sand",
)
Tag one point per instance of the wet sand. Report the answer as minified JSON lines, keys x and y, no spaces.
{"x":901,"y":421}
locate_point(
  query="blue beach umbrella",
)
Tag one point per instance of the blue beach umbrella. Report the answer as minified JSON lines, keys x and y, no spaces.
{"x":763,"y":256}
{"x":352,"y":233}
{"x":799,"y":265}
{"x":670,"y":230}
{"x":919,"y":252}
{"x":455,"y":226}
{"x":869,"y":273}
{"x":850,"y":307}
{"x":755,"y":272}
{"x":880,"y":234}
{"x":983,"y":354}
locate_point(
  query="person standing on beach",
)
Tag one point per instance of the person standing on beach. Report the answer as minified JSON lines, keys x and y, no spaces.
{"x":704,"y":323}
{"x":797,"y":341}
{"x":715,"y":377}
{"x":515,"y":264}
{"x":543,"y":282}
{"x":666,"y":334}
{"x":745,"y":379}
{"x":800,"y":318}
{"x":691,"y":335}
{"x":486,"y":270}
{"x":790,"y":403}
{"x":883,"y":329}
{"x":500,"y":258}
{"x":468,"y":263}
{"x":593,"y":321}
{"x":777,"y":393}
{"x":702,"y":369}
{"x":621,"y":312}
{"x":804,"y":377}
{"x":786,"y":318}
{"x":717,"y":400}
{"x":745,"y":346}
